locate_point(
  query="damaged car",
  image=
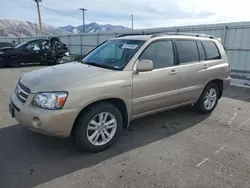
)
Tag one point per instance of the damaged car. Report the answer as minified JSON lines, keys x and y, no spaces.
{"x":42,"y":51}
{"x":6,"y":44}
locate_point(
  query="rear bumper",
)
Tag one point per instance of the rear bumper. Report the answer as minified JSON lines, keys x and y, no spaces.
{"x":226,"y":83}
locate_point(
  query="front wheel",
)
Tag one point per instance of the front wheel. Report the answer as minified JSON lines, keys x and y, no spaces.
{"x":98,"y":128}
{"x":14,"y":61}
{"x":208,"y":99}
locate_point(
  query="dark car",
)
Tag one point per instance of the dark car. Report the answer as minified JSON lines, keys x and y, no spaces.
{"x":6,"y":44}
{"x":44,"y":51}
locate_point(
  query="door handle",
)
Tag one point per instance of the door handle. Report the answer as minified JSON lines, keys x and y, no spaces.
{"x":173,"y":72}
{"x":205,"y":66}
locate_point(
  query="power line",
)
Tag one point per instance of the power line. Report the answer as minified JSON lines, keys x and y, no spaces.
{"x":85,"y":17}
{"x":70,"y":15}
{"x":56,"y":2}
{"x":59,"y":12}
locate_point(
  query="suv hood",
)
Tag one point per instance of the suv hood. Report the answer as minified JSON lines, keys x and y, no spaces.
{"x":62,"y":77}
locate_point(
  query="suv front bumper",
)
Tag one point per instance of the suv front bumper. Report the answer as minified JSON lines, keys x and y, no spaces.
{"x":52,"y":122}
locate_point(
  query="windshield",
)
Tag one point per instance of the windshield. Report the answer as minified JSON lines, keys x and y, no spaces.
{"x":113,"y":54}
{"x":22,"y":44}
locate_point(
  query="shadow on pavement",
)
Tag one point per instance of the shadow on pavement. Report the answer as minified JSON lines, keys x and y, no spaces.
{"x":28,"y":159}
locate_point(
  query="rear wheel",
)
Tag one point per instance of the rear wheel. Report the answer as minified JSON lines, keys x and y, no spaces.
{"x":208,"y":99}
{"x":14,"y":61}
{"x":98,"y":128}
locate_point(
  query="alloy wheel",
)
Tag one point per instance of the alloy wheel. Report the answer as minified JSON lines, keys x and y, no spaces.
{"x":101,"y":129}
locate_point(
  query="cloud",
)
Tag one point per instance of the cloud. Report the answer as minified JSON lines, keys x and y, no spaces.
{"x":147,"y":13}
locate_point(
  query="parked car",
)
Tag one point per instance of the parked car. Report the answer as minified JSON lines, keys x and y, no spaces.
{"x":6,"y":44}
{"x":122,"y":79}
{"x":43,"y":51}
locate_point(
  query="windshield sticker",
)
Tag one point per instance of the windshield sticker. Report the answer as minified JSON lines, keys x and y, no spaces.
{"x":130,"y":46}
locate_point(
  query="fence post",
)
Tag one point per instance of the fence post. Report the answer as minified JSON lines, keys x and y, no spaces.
{"x":97,"y":39}
{"x":69,"y":44}
{"x":81,"y":43}
{"x":224,"y":36}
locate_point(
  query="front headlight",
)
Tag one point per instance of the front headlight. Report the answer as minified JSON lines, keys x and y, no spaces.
{"x":1,"y":53}
{"x":51,"y":101}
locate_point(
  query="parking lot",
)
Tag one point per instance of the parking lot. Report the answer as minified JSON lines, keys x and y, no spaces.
{"x":178,"y":148}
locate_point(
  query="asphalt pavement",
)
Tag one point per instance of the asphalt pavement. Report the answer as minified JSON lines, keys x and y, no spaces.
{"x":177,"y":148}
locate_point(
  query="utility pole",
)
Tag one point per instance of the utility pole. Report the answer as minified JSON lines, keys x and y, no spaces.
{"x":39,"y":15}
{"x":132,"y":21}
{"x":19,"y":30}
{"x":36,"y":28}
{"x":83,"y":19}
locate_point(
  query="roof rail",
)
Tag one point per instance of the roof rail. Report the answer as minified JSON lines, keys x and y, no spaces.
{"x":157,"y":34}
{"x":186,"y":34}
{"x":129,"y":34}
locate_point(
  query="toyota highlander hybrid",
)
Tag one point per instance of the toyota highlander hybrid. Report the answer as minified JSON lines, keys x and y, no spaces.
{"x":120,"y":80}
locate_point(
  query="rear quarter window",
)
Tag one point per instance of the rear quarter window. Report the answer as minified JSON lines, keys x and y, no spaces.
{"x":211,"y":50}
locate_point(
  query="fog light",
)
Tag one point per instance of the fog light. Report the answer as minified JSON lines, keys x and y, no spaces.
{"x":36,"y":122}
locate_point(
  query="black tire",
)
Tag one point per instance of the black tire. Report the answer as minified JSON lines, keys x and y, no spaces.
{"x":80,"y":131}
{"x":14,"y":61}
{"x":1,"y":65}
{"x":200,"y":104}
{"x":52,"y":61}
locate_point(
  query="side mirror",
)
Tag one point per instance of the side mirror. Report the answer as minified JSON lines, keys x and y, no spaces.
{"x":144,"y":66}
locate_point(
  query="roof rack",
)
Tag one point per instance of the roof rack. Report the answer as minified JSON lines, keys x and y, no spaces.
{"x":157,"y":34}
{"x":186,"y":34}
{"x":130,"y":34}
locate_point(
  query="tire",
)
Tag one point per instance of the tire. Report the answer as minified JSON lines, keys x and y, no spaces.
{"x":1,"y":65}
{"x":201,"y":106}
{"x":84,"y":129}
{"x":55,"y":61}
{"x":14,"y":61}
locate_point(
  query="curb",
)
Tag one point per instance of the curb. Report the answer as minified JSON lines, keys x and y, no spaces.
{"x":240,"y":83}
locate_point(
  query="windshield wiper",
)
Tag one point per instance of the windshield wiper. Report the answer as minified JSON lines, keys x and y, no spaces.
{"x":99,"y":65}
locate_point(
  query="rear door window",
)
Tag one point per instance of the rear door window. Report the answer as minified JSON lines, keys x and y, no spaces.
{"x":187,"y":51}
{"x":161,"y":53}
{"x":211,"y":50}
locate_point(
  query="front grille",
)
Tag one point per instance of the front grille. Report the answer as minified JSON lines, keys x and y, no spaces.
{"x":22,"y":92}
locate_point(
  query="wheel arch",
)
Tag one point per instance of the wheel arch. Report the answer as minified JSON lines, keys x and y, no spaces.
{"x":218,"y":82}
{"x":117,"y":102}
{"x":13,"y":55}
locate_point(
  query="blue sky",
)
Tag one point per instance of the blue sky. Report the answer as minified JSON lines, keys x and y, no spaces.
{"x":147,"y":13}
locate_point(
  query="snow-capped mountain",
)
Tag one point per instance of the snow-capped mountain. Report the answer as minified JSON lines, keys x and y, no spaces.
{"x":95,"y":27}
{"x":14,"y":28}
{"x":70,"y":28}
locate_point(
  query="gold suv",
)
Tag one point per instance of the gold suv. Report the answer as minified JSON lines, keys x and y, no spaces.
{"x":120,"y":80}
